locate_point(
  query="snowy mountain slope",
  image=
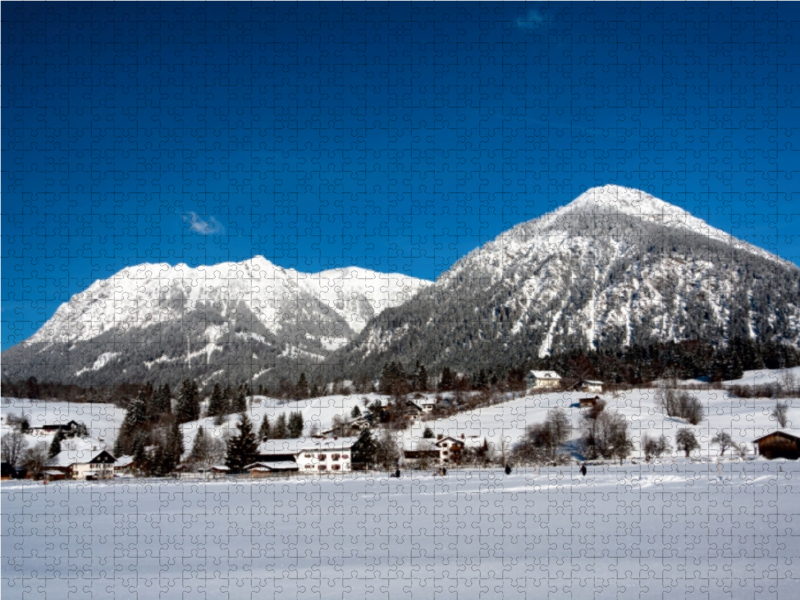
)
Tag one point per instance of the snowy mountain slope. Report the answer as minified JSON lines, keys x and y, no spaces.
{"x":234,"y":318}
{"x":614,"y":267}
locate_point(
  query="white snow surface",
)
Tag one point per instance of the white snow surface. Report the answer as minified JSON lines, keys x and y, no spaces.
{"x":147,"y":294}
{"x":639,"y":531}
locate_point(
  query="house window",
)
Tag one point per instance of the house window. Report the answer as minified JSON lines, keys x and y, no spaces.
{"x":322,"y":457}
{"x":335,"y":456}
{"x":309,"y":467}
{"x":335,"y":468}
{"x":345,"y":456}
{"x":323,"y":468}
{"x":308,"y":456}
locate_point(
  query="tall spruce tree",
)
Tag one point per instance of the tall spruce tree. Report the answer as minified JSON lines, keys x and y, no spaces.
{"x":301,"y":390}
{"x":295,"y":424}
{"x":239,"y":404}
{"x":264,"y":430}
{"x":242,"y":447}
{"x":135,"y":416}
{"x":173,"y":448}
{"x":55,"y":445}
{"x":188,"y":408}
{"x":281,"y":430}
{"x":364,"y":450}
{"x":217,"y":405}
{"x":200,"y":447}
{"x":161,"y":402}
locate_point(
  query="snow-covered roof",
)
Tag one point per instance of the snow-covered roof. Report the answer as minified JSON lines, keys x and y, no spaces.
{"x":789,"y":432}
{"x":276,"y":465}
{"x":67,"y":458}
{"x":220,"y":468}
{"x":592,"y":382}
{"x":545,"y":374}
{"x":123,"y":461}
{"x":295,"y":446}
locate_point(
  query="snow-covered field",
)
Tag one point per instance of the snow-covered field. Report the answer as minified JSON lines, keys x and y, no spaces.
{"x":677,"y":530}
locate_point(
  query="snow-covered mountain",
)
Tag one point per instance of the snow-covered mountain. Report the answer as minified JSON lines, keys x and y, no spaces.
{"x":234,"y":321}
{"x":614,"y":267}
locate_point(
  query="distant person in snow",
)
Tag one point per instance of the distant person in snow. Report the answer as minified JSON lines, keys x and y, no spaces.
{"x":508,"y":469}
{"x":583,"y":469}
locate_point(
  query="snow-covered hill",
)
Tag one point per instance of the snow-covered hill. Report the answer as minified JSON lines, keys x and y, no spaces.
{"x":613,"y":268}
{"x":161,"y":322}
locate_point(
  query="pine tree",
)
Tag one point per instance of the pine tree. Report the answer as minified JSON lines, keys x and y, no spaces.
{"x":295,"y":424}
{"x":355,"y":413}
{"x":119,"y":448}
{"x":420,"y":378}
{"x":364,"y":449}
{"x":188,"y":408}
{"x":161,"y":402}
{"x":447,"y":382}
{"x":173,"y":448}
{"x":55,"y":445}
{"x":239,"y":404}
{"x":135,"y":417}
{"x":280,"y":431}
{"x":200,"y":447}
{"x":217,"y":406}
{"x":302,"y":387}
{"x":242,"y":447}
{"x":264,"y":430}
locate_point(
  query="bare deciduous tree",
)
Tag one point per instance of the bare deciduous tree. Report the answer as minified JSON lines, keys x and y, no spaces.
{"x":34,"y":459}
{"x":781,"y":413}
{"x":12,"y":445}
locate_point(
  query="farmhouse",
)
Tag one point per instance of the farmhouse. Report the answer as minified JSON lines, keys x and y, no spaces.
{"x":423,"y":404}
{"x":589,"y":402}
{"x":259,"y":470}
{"x":83,"y":464}
{"x":72,"y":428}
{"x":316,"y":455}
{"x":425,"y":454}
{"x":778,"y":444}
{"x":591,"y":386}
{"x":450,"y":450}
{"x":124,"y":466}
{"x":542,"y":380}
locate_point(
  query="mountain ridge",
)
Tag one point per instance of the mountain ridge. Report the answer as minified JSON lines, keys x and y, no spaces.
{"x":613,"y":268}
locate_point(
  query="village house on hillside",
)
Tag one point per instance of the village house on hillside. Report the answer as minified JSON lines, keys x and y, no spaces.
{"x":73,"y":428}
{"x":542,"y":380}
{"x":778,"y":444}
{"x":591,"y":386}
{"x":317,"y":455}
{"x":81,"y":464}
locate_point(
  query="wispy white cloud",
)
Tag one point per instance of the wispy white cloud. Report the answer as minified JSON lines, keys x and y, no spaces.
{"x":535,"y":19}
{"x":202,"y":226}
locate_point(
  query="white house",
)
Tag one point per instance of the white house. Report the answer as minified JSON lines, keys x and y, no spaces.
{"x":542,"y":380}
{"x":450,"y":450}
{"x":592,"y":386}
{"x":316,"y":455}
{"x":83,"y":464}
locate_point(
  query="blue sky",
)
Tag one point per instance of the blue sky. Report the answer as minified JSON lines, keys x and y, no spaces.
{"x":396,"y":137}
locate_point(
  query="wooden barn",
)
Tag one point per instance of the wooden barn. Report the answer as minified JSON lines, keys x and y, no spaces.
{"x":778,"y":444}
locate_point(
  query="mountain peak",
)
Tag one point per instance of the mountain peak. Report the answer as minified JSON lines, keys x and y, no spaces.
{"x":631,"y":201}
